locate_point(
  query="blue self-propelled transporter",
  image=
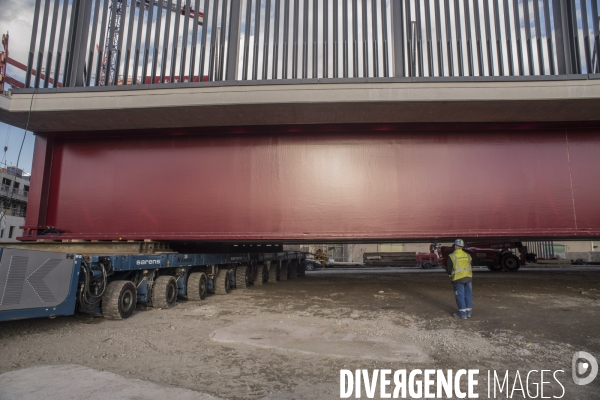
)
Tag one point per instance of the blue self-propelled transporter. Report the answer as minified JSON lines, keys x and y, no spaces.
{"x":36,"y":284}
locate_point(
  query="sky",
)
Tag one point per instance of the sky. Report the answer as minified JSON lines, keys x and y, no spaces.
{"x":16,"y":18}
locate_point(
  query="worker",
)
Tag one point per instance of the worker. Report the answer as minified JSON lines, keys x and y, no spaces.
{"x":460,"y":270}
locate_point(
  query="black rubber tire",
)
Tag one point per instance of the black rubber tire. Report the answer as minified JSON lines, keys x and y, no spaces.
{"x":293,"y":267}
{"x":427,"y":265}
{"x":251,"y":272}
{"x":164,"y":292}
{"x":309,"y":267}
{"x":197,"y":289}
{"x":119,"y":300}
{"x":283,"y":271}
{"x":301,"y":269}
{"x":222,"y":284}
{"x":510,"y":263}
{"x":273,"y":271}
{"x":241,"y":277}
{"x":495,"y":268}
{"x":259,"y":278}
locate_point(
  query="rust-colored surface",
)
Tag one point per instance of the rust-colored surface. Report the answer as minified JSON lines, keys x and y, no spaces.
{"x":371,"y":184}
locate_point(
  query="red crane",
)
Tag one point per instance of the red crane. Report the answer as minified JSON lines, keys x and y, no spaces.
{"x":6,"y":60}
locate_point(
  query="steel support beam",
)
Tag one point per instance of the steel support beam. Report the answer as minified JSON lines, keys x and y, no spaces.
{"x":235,"y":22}
{"x":398,"y":36}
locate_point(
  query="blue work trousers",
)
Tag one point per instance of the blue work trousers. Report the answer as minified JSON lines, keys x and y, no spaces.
{"x":464,"y":298}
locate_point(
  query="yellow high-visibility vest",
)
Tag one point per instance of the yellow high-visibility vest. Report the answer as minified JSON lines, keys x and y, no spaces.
{"x":461,"y":265}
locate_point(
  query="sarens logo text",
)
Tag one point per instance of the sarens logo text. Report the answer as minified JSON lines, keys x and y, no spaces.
{"x":438,"y":384}
{"x":147,"y":262}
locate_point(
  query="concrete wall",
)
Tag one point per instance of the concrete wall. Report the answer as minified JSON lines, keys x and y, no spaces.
{"x":579,"y":246}
{"x":14,"y":223}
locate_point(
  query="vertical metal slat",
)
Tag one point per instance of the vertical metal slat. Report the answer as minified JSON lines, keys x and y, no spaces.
{"x":223,"y":32}
{"x":365,"y":37}
{"x":213,"y":40}
{"x":459,"y":52}
{"x":286,"y":39}
{"x":498,"y":32}
{"x":586,"y":35}
{"x":128,"y":43}
{"x":527,"y":23}
{"x":276,"y":39}
{"x":315,"y":47}
{"x":305,"y":40}
{"x":336,"y":39}
{"x":36,"y":18}
{"x":345,"y":49}
{"x":469,"y":39}
{"x":488,"y":37}
{"x":408,"y":38}
{"x":59,"y":47}
{"x":203,"y":44}
{"x":548,"y":32}
{"x":449,"y":38}
{"x":538,"y":36}
{"x":184,"y":41}
{"x":397,"y":25}
{"x":419,"y":49}
{"x":42,"y":47}
{"x":256,"y":43}
{"x":508,"y":40}
{"x":596,"y":20}
{"x":166,"y":42}
{"x":375,"y":33}
{"x":296,"y":32}
{"x":175,"y":42}
{"x":194,"y":48}
{"x":147,"y":44}
{"x":518,"y":38}
{"x":51,"y":47}
{"x":355,"y":38}
{"x":120,"y":42}
{"x":428,"y":38}
{"x":438,"y":36}
{"x":138,"y":42}
{"x":384,"y":28}
{"x":247,"y":38}
{"x":325,"y":37}
{"x":233,"y":44}
{"x":266,"y":39}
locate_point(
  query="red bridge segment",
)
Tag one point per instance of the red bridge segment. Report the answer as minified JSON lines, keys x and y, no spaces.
{"x":380,"y":182}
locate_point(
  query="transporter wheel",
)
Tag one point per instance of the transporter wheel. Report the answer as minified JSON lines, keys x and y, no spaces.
{"x":119,"y":300}
{"x":273,"y":271}
{"x":197,"y":288}
{"x":510,"y":263}
{"x":164,"y":292}
{"x":301,"y":269}
{"x":427,"y":265}
{"x":222,"y":282}
{"x":259,"y":278}
{"x":241,"y":277}
{"x":293,"y":267}
{"x":283,"y":272}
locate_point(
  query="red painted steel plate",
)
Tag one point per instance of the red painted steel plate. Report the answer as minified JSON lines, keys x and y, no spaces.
{"x":328,"y":185}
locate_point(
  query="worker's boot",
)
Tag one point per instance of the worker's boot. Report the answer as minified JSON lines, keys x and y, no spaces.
{"x":455,"y":315}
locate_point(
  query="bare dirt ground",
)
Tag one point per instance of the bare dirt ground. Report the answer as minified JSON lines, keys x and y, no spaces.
{"x":289,"y":340}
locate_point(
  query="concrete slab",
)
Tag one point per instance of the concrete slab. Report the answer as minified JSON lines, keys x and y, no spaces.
{"x":65,"y":382}
{"x":307,"y":103}
{"x":310,"y":335}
